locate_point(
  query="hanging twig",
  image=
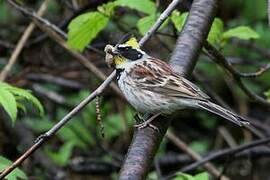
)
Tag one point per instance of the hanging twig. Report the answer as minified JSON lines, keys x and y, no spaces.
{"x":99,"y":120}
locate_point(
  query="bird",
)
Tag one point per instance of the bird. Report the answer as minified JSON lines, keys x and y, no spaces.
{"x":151,"y":86}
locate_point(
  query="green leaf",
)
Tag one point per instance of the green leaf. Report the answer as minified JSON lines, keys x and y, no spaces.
{"x":25,"y":94}
{"x":183,"y":176}
{"x":178,"y":19}
{"x":145,"y":6}
{"x":201,"y":176}
{"x":7,"y":100}
{"x":84,"y":28}
{"x":14,"y":175}
{"x":267,"y":94}
{"x":200,"y":146}
{"x":62,"y":156}
{"x":241,"y":32}
{"x":28,"y":96}
{"x":152,"y":175}
{"x":215,"y":34}
{"x":21,"y":107}
{"x":107,"y":8}
{"x":145,"y":23}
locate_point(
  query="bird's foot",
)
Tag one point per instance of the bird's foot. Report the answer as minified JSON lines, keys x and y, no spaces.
{"x":146,"y":123}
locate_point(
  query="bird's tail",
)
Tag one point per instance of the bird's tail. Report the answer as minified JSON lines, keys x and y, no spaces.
{"x":218,"y":110}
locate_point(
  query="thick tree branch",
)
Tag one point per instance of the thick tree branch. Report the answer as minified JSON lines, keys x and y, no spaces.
{"x":193,"y":35}
{"x":146,"y":141}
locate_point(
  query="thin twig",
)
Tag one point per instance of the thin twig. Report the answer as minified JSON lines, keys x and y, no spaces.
{"x":160,"y":20}
{"x":264,"y":52}
{"x":254,"y":74}
{"x":220,"y":154}
{"x":28,"y":31}
{"x":227,"y":136}
{"x":217,"y":57}
{"x":213,"y":52}
{"x":6,"y":44}
{"x":225,"y":152}
{"x":195,"y":156}
{"x":33,"y":15}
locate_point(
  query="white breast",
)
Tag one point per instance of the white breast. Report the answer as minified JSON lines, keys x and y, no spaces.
{"x":143,"y":100}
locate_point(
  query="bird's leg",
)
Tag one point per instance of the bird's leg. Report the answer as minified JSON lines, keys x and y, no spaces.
{"x":148,"y":122}
{"x":138,"y":118}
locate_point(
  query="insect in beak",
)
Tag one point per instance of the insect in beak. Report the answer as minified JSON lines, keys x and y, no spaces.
{"x":111,"y":52}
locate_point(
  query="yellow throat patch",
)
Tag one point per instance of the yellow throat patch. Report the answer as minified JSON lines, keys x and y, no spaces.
{"x":119,"y":60}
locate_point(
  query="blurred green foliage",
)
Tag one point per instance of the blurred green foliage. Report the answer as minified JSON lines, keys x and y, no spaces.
{"x":184,"y":176}
{"x":83,"y":131}
{"x":4,"y":13}
{"x":14,"y":175}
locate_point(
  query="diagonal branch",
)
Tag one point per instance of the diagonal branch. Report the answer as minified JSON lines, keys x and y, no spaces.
{"x":226,"y":152}
{"x":146,"y":141}
{"x":28,"y":31}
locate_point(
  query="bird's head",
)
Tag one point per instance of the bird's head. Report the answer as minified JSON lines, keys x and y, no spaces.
{"x":125,"y":51}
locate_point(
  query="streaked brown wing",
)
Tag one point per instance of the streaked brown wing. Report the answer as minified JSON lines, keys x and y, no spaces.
{"x":157,"y":76}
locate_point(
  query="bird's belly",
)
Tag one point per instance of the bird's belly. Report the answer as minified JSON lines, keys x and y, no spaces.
{"x":146,"y":101}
